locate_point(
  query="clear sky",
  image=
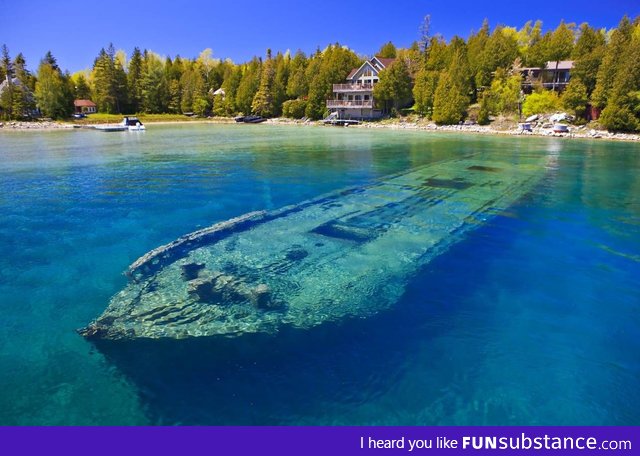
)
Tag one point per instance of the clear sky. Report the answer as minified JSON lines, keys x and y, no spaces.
{"x":76,"y":30}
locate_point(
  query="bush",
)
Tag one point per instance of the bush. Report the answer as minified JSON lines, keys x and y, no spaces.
{"x":294,"y":109}
{"x":484,"y":112}
{"x":618,"y":118}
{"x":541,"y":102}
{"x":575,"y":99}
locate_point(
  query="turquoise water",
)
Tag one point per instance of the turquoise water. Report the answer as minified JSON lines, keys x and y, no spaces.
{"x":532,"y":318}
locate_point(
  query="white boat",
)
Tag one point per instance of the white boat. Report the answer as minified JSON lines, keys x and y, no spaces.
{"x":133,"y":124}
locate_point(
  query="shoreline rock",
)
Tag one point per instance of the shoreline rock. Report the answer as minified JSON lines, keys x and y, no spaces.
{"x":580,"y":132}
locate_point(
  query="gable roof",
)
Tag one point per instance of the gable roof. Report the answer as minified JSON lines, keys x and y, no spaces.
{"x":84,"y":104}
{"x":376,"y":64}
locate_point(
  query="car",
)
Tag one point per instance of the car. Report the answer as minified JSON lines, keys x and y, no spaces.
{"x":79,"y":115}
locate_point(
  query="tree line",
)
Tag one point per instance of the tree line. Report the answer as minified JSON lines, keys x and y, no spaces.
{"x":445,"y":81}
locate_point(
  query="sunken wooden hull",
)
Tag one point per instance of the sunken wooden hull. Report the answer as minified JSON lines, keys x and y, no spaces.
{"x":345,"y":254}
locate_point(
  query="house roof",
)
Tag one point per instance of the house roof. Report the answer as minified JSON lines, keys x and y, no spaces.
{"x":562,"y":65}
{"x":384,"y":61}
{"x":374,"y":63}
{"x":84,"y":104}
{"x":551,"y":65}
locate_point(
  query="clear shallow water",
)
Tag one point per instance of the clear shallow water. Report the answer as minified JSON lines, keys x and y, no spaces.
{"x":531,"y":319}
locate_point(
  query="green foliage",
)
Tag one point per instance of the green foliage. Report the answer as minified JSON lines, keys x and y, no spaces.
{"x":294,"y":109}
{"x":575,"y":98}
{"x":504,"y":95}
{"x":541,"y":102}
{"x":485,"y":110}
{"x":134,"y":81}
{"x":424,"y":91}
{"x":53,"y":90}
{"x":297,"y":84}
{"x":608,"y":70}
{"x":587,"y":56}
{"x":452,"y":94}
{"x":248,"y":86}
{"x":623,"y":107}
{"x":387,"y":51}
{"x":155,"y":93}
{"x":500,"y":51}
{"x":394,"y":86}
{"x":264,"y":100}
{"x":327,"y":68}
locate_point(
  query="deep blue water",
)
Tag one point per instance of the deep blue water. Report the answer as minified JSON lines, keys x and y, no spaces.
{"x":533,"y":318}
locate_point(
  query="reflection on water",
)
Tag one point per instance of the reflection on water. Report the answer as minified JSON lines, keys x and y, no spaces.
{"x":532,"y":319}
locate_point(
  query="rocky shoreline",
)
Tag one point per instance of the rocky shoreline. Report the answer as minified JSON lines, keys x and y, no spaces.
{"x":575,"y":132}
{"x":42,"y":125}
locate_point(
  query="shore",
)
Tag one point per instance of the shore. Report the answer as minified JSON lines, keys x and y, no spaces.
{"x":579,"y":132}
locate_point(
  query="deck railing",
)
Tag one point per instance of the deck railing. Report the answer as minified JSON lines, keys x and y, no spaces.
{"x":349,"y":104}
{"x":352,"y":87}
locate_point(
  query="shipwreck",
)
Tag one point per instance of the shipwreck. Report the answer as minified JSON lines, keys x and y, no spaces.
{"x":346,"y":254}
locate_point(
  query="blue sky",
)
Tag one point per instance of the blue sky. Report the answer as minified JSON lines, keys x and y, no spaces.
{"x":75,"y":31}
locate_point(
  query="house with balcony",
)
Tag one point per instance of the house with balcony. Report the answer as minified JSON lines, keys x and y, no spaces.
{"x":554,"y":75}
{"x":354,"y":98}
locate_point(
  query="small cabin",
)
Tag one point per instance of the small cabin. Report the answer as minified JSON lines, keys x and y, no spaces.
{"x":85,"y":107}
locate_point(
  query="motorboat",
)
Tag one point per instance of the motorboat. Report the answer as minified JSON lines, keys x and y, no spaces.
{"x":133,"y":124}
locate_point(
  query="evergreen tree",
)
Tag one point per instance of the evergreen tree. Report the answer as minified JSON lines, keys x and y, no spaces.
{"x":230,"y":86}
{"x":587,"y":56}
{"x":134,"y":81}
{"x":264,"y":100}
{"x":387,"y":51}
{"x":623,"y":108}
{"x":575,"y":97}
{"x":53,"y":90}
{"x":614,"y":54}
{"x":297,"y":85}
{"x":7,"y":96}
{"x":394,"y":86}
{"x":424,"y":91}
{"x":248,"y":86}
{"x":451,"y":98}
{"x":104,"y":81}
{"x":81,"y":88}
{"x":154,"y":85}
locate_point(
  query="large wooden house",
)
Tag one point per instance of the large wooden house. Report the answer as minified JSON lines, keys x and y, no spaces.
{"x":354,"y":99}
{"x":554,"y":75}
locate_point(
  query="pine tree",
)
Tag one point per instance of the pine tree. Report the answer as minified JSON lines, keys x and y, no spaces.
{"x":264,"y":101}
{"x":623,"y":108}
{"x":81,"y":88}
{"x":587,"y":56}
{"x":134,"y":81}
{"x":297,"y":85}
{"x":394,"y":86}
{"x":575,"y":97}
{"x":608,"y":70}
{"x":452,"y":94}
{"x":424,"y":91}
{"x":154,"y":85}
{"x":248,"y":86}
{"x":53,"y":90}
{"x":104,"y":81}
{"x":387,"y":51}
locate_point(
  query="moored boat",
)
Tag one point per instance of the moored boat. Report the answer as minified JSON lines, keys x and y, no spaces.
{"x":133,"y":124}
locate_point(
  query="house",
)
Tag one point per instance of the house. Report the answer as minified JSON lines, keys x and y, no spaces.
{"x":354,"y":99}
{"x":28,"y":99}
{"x":551,"y":77}
{"x":85,"y":107}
